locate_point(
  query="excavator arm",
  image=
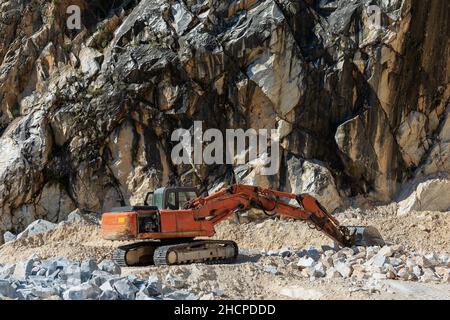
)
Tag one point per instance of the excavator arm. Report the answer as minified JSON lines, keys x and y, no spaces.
{"x":240,"y":198}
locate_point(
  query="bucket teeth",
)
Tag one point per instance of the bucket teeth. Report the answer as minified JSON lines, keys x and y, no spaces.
{"x":366,"y":236}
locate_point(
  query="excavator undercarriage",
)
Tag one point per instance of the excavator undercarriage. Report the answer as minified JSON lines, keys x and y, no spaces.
{"x":190,"y":251}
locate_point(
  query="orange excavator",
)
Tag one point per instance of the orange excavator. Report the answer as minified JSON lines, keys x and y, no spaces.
{"x":172,"y":221}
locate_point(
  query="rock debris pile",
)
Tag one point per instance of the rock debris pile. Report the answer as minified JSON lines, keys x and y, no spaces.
{"x":369,"y":263}
{"x":59,"y":278}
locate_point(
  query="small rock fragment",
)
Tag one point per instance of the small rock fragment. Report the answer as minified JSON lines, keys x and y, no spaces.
{"x":428,"y":276}
{"x":174,"y":281}
{"x":7,"y":290}
{"x":87,"y":268}
{"x":378,"y":260}
{"x":75,"y":217}
{"x":154,"y":285}
{"x":386,"y":251}
{"x":23,"y":269}
{"x":271,"y":269}
{"x":9,"y":236}
{"x":332,"y":273}
{"x":180,"y":295}
{"x":125,"y":289}
{"x":109,"y":295}
{"x":344,"y":269}
{"x":424,"y":262}
{"x":305,"y":262}
{"x":84,"y":291}
{"x":109,"y":266}
{"x":403,"y":274}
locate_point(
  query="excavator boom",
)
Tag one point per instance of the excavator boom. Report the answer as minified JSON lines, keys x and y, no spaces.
{"x":240,"y":198}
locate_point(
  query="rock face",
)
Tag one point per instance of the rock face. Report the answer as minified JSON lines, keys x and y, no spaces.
{"x":427,"y":195}
{"x":87,"y":115}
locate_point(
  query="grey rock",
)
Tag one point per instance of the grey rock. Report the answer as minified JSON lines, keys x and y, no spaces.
{"x":154,"y":285}
{"x":41,"y":272}
{"x":138,"y":283}
{"x":75,"y":217}
{"x":37,"y":227}
{"x":99,"y":277}
{"x":35,"y":270}
{"x":378,"y":261}
{"x":109,"y":284}
{"x":284,"y":252}
{"x":403,"y":274}
{"x":125,"y":289}
{"x":7,"y":270}
{"x":310,"y":252}
{"x":23,"y":269}
{"x":72,"y":275}
{"x":424,"y":262}
{"x":332,"y":273}
{"x":371,"y":251}
{"x":180,"y":295}
{"x":410,"y":263}
{"x":142,"y":295}
{"x":346,"y":252}
{"x":87,"y":268}
{"x":428,"y":276}
{"x":395,"y":262}
{"x":46,"y":292}
{"x":84,"y":291}
{"x":62,"y":262}
{"x":89,"y":60}
{"x":202,"y":273}
{"x":433,"y":258}
{"x":41,"y":280}
{"x":417,"y":271}
{"x":272,"y":253}
{"x":50,"y":267}
{"x":271,"y":269}
{"x":26,"y":294}
{"x":7,"y":290}
{"x":379,"y":276}
{"x":8,"y":237}
{"x":316,"y":271}
{"x":386,"y":251}
{"x":174,"y":281}
{"x":109,"y":266}
{"x":217,"y":292}
{"x":344,"y":269}
{"x":320,"y":270}
{"x":327,"y":261}
{"x":306,"y":262}
{"x":109,"y":295}
{"x":182,"y":17}
{"x":444,"y":260}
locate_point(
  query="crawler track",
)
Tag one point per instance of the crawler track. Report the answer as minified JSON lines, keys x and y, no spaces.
{"x":209,"y":251}
{"x":157,"y":253}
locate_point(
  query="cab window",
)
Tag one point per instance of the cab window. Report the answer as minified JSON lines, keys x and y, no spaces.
{"x":158,"y":199}
{"x":185,"y":197}
{"x":172,"y":201}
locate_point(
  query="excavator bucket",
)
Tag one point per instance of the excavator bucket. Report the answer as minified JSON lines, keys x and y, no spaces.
{"x":366,"y":236}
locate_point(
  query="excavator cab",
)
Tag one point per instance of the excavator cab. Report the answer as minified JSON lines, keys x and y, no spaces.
{"x":172,"y":198}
